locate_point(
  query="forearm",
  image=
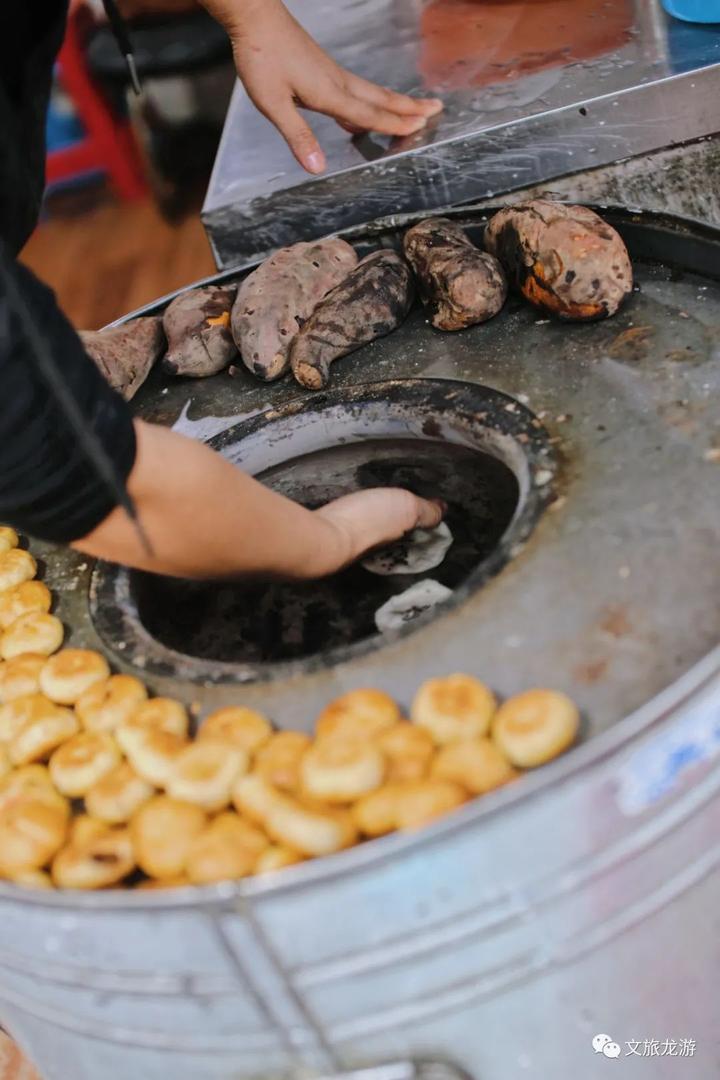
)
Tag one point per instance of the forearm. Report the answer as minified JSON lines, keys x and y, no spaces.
{"x":205,"y":518}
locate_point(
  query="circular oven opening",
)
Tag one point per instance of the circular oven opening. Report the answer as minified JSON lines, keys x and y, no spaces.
{"x":479,"y":450}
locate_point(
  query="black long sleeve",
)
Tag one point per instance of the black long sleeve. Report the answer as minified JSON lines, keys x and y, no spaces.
{"x":48,"y":488}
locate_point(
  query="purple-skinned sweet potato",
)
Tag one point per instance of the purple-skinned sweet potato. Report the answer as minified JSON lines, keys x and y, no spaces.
{"x":125,"y":354}
{"x":565,"y":260}
{"x":276,"y":299}
{"x":197,"y":326}
{"x":372,"y":301}
{"x":459,"y":284}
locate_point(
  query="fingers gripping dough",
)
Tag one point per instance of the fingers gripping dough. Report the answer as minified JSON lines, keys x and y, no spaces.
{"x":68,"y":674}
{"x":82,"y":761}
{"x":35,"y":632}
{"x":108,"y":704}
{"x":453,"y":708}
{"x":534,"y":727}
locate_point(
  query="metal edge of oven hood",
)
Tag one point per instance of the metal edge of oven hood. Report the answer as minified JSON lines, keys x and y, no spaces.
{"x":499,"y":159}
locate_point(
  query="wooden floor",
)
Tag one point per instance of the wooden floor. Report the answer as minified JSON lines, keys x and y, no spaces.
{"x":105,"y":259}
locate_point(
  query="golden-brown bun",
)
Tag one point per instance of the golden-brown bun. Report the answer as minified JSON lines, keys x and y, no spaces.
{"x":21,"y":676}
{"x":83,"y":761}
{"x":9,"y":539}
{"x":422,"y":801}
{"x":536,"y":726}
{"x":85,"y":828}
{"x":36,"y":632}
{"x":454,"y":708}
{"x":118,"y":794}
{"x":18,"y":712}
{"x":254,"y":797}
{"x":278,"y":761}
{"x":476,"y":764}
{"x":158,"y":714}
{"x":377,"y":813}
{"x":310,"y":829}
{"x":338,"y":771}
{"x":33,"y":826}
{"x":205,"y":773}
{"x":16,"y":566}
{"x":31,"y":879}
{"x":408,"y":750}
{"x":237,"y":725}
{"x":357,"y":714}
{"x":48,"y":727}
{"x":23,"y":781}
{"x":101,"y":861}
{"x":68,"y":674}
{"x":276,"y":857}
{"x":226,"y":849}
{"x":108,"y":704}
{"x":24,"y":598}
{"x":162,"y":832}
{"x":151,"y":753}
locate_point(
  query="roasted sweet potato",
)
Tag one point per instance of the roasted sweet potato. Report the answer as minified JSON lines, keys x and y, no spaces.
{"x":458,"y":283}
{"x":372,"y":301}
{"x":197,"y":326}
{"x":125,"y":354}
{"x":276,"y":299}
{"x":565,"y":260}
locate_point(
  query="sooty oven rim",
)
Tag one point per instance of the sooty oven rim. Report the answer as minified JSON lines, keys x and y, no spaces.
{"x":491,"y":421}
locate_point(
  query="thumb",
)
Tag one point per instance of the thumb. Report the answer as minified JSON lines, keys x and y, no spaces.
{"x":298,"y":135}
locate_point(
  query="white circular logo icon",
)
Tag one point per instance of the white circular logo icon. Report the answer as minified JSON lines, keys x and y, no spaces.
{"x":600,"y":1042}
{"x":611,"y":1050}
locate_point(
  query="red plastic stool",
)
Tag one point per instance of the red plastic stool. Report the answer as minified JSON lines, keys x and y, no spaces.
{"x":108,"y":144}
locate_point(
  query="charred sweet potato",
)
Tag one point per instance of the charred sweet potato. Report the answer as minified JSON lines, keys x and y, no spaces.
{"x":458,"y":283}
{"x":565,"y":260}
{"x":197,"y":326}
{"x":372,"y":301}
{"x":125,"y":354}
{"x":276,"y":299}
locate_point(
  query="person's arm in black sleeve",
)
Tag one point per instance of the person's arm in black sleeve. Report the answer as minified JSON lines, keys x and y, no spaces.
{"x":48,"y":487}
{"x":203,"y":517}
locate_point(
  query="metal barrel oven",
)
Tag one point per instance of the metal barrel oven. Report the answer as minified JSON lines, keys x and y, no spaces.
{"x":581,"y":900}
